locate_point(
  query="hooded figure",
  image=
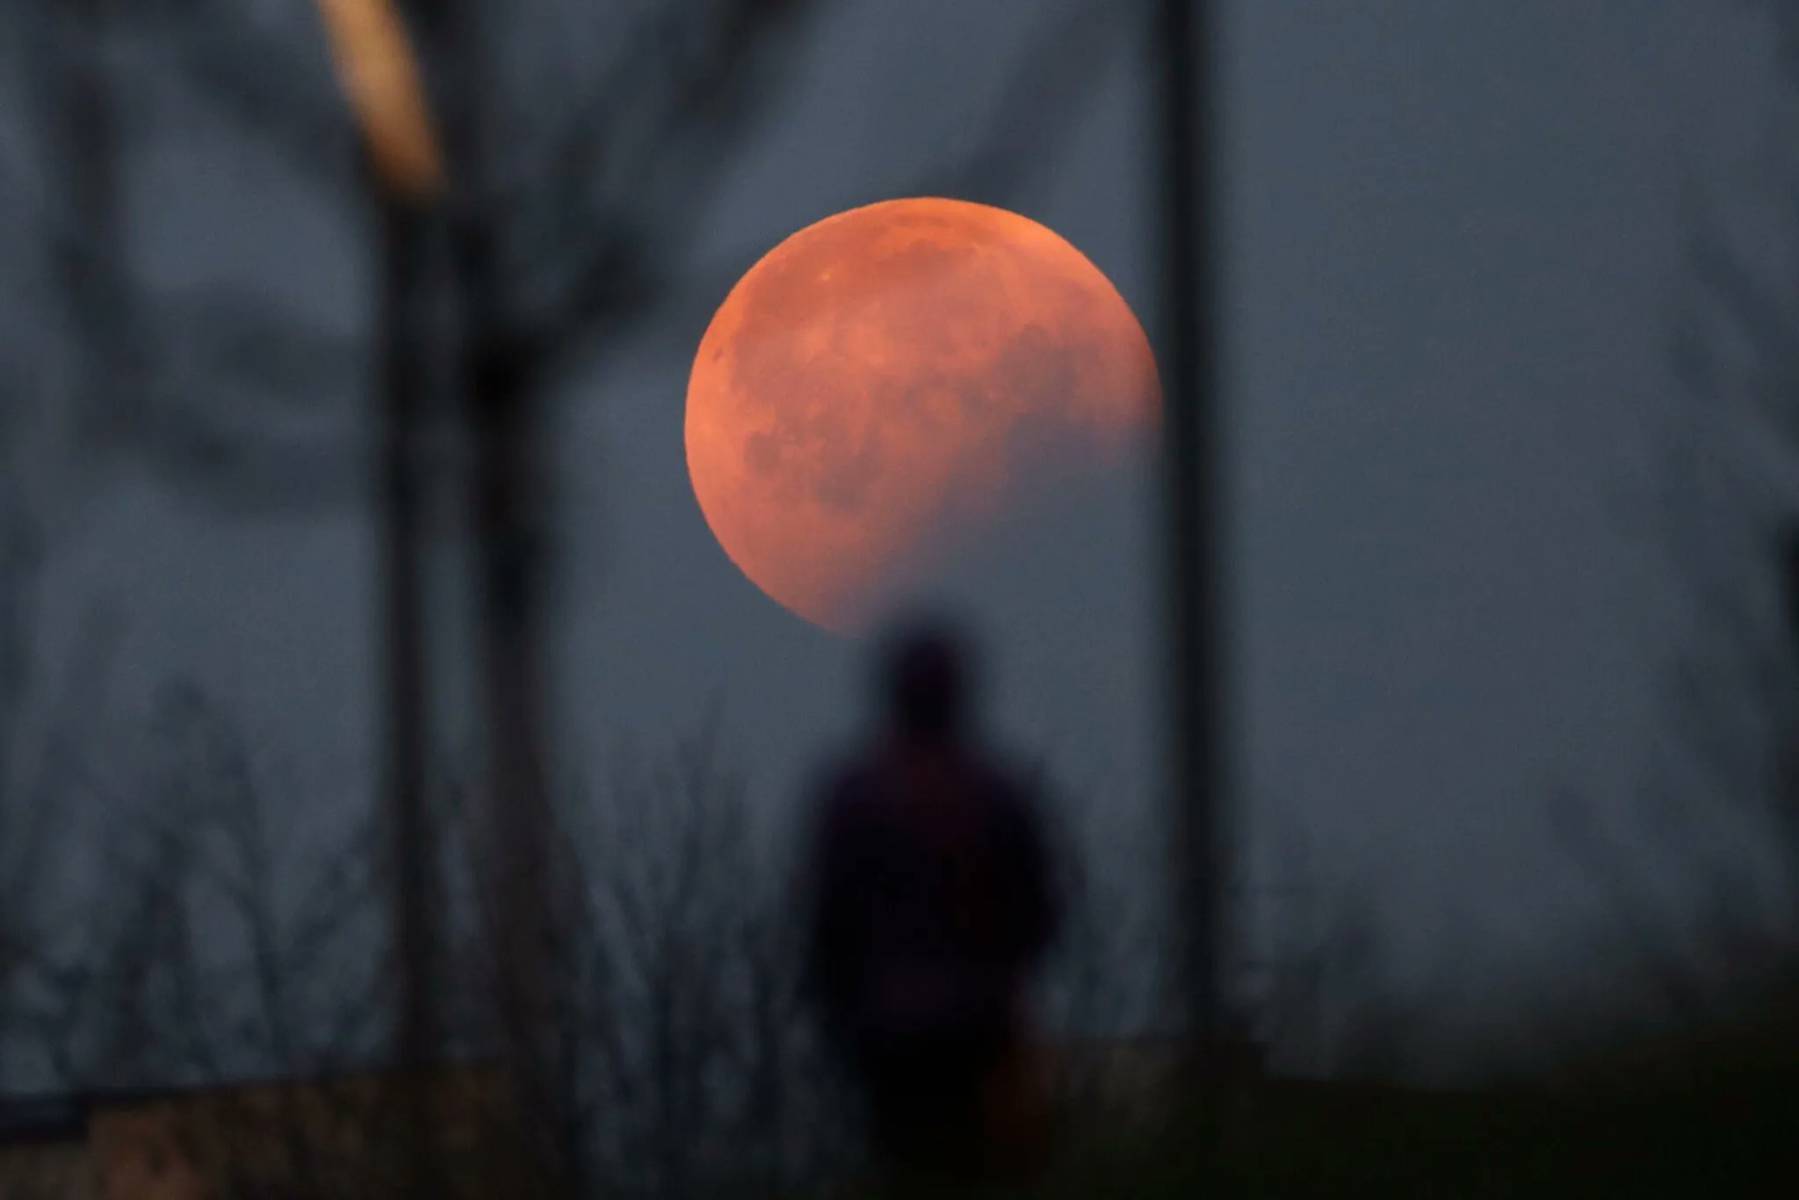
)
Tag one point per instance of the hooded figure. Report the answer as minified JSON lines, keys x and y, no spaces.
{"x":931,"y":903}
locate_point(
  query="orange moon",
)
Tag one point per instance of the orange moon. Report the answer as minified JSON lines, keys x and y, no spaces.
{"x":887,"y":385}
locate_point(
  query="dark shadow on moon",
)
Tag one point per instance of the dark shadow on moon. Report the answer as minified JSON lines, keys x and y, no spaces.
{"x":1064,"y":584}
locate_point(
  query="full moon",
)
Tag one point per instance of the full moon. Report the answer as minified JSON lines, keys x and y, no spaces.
{"x":884,"y":388}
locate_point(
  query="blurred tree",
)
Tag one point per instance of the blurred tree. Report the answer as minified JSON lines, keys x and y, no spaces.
{"x":1721,"y":797}
{"x":578,"y":149}
{"x":209,"y":949}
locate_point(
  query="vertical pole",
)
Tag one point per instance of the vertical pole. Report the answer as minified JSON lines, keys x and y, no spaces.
{"x":412,"y":840}
{"x":1192,"y":509}
{"x":1789,"y":566}
{"x":70,"y":88}
{"x":507,"y":503}
{"x":382,"y":79}
{"x":510,"y":498}
{"x":1786,"y":799}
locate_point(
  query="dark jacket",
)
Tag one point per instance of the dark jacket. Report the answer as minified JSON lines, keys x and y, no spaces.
{"x":931,"y":895}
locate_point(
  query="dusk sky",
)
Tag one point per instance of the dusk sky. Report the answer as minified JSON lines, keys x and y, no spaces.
{"x":1454,"y":237}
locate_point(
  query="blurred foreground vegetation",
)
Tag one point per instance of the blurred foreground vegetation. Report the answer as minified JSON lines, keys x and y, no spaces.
{"x":1708,"y":1114}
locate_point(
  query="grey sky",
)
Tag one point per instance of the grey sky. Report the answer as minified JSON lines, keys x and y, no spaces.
{"x":1454,"y":250}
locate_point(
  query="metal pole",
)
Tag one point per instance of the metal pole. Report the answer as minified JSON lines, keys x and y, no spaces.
{"x":1192,"y":507}
{"x":507,"y":509}
{"x":413,"y":845}
{"x":510,"y":500}
{"x":381,"y":78}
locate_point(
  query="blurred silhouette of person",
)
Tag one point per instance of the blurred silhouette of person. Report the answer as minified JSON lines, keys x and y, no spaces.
{"x":931,"y":903}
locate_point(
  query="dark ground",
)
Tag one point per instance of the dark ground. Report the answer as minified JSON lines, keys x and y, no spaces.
{"x":1705,"y":1115}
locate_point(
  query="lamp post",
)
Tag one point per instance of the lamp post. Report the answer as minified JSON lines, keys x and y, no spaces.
{"x":380,"y":77}
{"x":1186,"y":248}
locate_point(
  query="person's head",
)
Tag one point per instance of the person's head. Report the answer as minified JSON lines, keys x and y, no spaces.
{"x":926,"y":680}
